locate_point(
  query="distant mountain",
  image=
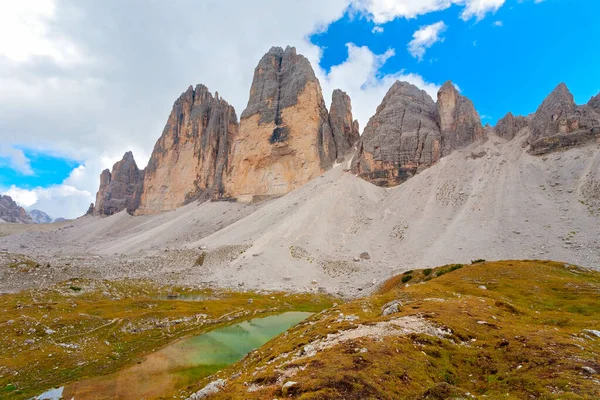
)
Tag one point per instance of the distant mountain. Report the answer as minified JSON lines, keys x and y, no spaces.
{"x":12,"y":213}
{"x":60,"y":219}
{"x":40,"y":217}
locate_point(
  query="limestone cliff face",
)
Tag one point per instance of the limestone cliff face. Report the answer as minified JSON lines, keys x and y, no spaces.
{"x":559,"y":122}
{"x":120,"y":189}
{"x":190,"y":158}
{"x":459,"y":122}
{"x":509,"y":126}
{"x":344,"y":127}
{"x":402,"y":138}
{"x":11,"y":212}
{"x":284,"y":138}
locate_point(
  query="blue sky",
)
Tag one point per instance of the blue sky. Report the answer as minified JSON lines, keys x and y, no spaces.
{"x":40,"y":170}
{"x":508,"y":61}
{"x":81,"y":84}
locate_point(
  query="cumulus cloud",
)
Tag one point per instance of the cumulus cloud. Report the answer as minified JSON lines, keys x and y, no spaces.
{"x":382,"y":11}
{"x":426,"y":37}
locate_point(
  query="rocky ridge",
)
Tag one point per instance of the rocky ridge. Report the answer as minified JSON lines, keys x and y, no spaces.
{"x":558,"y":123}
{"x":286,"y":137}
{"x":120,"y":189}
{"x":11,"y":212}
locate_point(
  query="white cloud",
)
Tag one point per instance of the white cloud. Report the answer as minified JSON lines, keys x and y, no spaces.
{"x":382,"y":11}
{"x":16,"y":159}
{"x":498,"y":23}
{"x":479,"y":8}
{"x":426,"y":37}
{"x":57,"y":201}
{"x":359,"y":77}
{"x":24,"y":32}
{"x":377,"y":29}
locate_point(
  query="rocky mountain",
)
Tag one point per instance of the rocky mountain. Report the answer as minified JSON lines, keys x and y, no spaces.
{"x":120,"y":189}
{"x":40,"y":217}
{"x":190,"y":158}
{"x":401,"y":139}
{"x":559,"y":122}
{"x":11,"y":212}
{"x":509,"y":126}
{"x":345,"y":129}
{"x":459,"y":122}
{"x":285,"y":138}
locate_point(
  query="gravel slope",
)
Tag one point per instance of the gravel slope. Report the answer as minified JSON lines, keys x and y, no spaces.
{"x":491,"y":201}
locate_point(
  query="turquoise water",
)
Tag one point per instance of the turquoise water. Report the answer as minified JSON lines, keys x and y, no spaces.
{"x":183,"y":362}
{"x":230,"y":344}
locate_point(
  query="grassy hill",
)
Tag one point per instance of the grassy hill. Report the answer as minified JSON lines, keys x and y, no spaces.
{"x":496,"y":330}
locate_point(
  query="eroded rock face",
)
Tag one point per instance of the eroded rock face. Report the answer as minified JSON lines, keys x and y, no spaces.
{"x":509,"y":126}
{"x":120,"y":189}
{"x":344,"y":127}
{"x":190,"y":158}
{"x":402,"y":138}
{"x":560,"y":123}
{"x":459,"y":122}
{"x":11,"y":212}
{"x":284,"y":139}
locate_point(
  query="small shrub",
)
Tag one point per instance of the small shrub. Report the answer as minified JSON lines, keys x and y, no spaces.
{"x":200,"y":259}
{"x":406,"y":278}
{"x":455,"y":267}
{"x":75,"y":288}
{"x":478,"y":261}
{"x":441,"y":272}
{"x":410,"y":271}
{"x":427,"y":271}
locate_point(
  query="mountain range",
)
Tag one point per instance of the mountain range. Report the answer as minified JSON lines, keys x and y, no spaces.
{"x":286,"y":137}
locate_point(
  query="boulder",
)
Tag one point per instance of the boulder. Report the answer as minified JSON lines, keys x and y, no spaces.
{"x":284,"y":139}
{"x":189,"y":160}
{"x":401,"y":139}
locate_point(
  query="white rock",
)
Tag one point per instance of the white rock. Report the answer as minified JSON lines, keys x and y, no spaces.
{"x":212,"y":388}
{"x":286,"y":387}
